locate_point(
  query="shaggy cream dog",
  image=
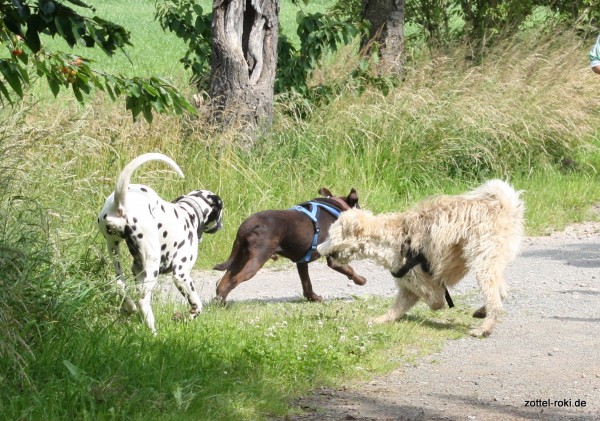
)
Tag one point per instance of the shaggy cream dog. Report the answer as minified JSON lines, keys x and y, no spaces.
{"x":478,"y":231}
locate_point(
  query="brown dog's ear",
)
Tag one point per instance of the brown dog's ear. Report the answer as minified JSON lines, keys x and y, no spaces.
{"x":324,"y":191}
{"x":352,"y":198}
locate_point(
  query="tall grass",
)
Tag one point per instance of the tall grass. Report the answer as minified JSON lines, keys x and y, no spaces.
{"x":518,"y":116}
{"x":529,"y":117}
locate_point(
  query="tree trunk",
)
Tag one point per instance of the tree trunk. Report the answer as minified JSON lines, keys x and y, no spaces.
{"x":244,"y":60}
{"x":387,"y":32}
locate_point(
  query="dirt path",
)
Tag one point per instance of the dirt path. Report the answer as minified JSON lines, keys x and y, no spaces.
{"x":545,"y":351}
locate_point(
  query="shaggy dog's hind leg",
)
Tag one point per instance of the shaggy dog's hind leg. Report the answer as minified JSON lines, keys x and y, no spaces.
{"x":405,"y":300}
{"x":490,"y":283}
{"x":480,"y":313}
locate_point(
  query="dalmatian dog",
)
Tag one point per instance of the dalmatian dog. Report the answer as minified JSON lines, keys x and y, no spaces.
{"x":162,"y":237}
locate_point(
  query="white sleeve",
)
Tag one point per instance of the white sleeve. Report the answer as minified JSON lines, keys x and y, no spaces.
{"x":595,"y":54}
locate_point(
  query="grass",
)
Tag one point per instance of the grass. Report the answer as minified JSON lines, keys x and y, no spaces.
{"x":67,"y":354}
{"x":239,"y":363}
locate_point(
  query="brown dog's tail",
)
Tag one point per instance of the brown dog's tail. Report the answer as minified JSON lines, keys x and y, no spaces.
{"x":224,"y":266}
{"x":227,"y":263}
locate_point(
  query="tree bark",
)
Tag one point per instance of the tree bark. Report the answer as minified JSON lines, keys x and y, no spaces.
{"x":244,"y":60}
{"x":387,"y":31}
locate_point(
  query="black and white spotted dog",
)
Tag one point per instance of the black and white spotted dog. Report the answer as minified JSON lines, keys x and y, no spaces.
{"x":162,"y":237}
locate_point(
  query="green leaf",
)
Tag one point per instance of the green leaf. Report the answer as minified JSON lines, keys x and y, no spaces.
{"x":11,"y":75}
{"x":5,"y":92}
{"x":65,"y":29}
{"x":32,"y":38}
{"x":198,"y":9}
{"x":82,"y":83}
{"x":134,"y":105}
{"x":78,"y":29}
{"x":300,"y":18}
{"x":147,"y":110}
{"x":53,"y":84}
{"x":77,"y":93}
{"x":134,"y":89}
{"x":150,"y":89}
{"x":109,"y":91}
{"x":47,"y":7}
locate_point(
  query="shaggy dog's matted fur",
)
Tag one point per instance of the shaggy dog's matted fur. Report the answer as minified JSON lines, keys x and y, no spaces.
{"x":478,"y":231}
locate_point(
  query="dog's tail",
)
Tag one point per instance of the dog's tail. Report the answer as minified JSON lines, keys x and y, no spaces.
{"x":235,"y":250}
{"x":509,"y":198}
{"x":125,"y":176}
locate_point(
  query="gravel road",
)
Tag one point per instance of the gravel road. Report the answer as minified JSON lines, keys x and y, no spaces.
{"x":542,"y":362}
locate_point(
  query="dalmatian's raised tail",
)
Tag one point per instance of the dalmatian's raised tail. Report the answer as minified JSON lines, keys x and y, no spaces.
{"x":125,"y":177}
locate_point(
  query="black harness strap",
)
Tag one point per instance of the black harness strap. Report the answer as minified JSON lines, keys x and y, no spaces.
{"x":413,"y":259}
{"x":448,"y":297}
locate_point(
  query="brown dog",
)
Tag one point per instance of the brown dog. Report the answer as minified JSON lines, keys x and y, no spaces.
{"x":291,"y":233}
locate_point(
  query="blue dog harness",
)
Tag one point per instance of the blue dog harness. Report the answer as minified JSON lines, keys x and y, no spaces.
{"x":313,"y":213}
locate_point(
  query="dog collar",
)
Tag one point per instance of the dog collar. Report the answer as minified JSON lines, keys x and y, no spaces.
{"x":197,"y":210}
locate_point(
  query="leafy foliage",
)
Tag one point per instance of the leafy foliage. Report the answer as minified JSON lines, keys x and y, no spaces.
{"x":477,"y":21}
{"x":21,"y":24}
{"x":319,"y":34}
{"x":185,"y":19}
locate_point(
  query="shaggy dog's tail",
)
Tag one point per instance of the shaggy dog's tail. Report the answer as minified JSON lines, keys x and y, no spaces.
{"x":503,"y":192}
{"x":125,"y":176}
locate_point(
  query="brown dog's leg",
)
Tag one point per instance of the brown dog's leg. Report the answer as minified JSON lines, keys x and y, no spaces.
{"x":306,"y":284}
{"x":348,"y":271}
{"x":244,"y":267}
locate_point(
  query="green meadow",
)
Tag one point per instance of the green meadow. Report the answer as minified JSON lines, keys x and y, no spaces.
{"x":528,"y":113}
